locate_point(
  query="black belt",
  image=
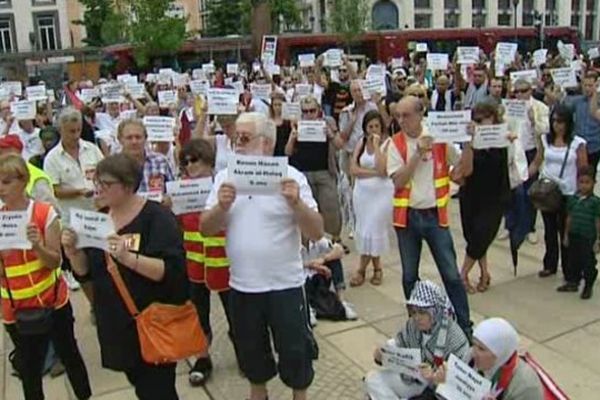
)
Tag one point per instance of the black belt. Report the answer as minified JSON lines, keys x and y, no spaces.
{"x":424,"y":210}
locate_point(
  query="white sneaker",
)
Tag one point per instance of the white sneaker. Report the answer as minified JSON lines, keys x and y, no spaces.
{"x":313,"y":317}
{"x":532,"y":238}
{"x":503,"y":235}
{"x":71,"y":282}
{"x":351,"y":315}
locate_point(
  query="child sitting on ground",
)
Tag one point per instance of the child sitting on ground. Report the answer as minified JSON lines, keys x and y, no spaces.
{"x":323,"y":266}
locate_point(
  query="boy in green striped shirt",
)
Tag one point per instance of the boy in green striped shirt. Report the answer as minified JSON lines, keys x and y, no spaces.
{"x":582,"y":234}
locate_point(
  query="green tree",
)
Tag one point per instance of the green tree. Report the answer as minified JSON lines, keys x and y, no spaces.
{"x":284,"y":15}
{"x":103,"y":25}
{"x":348,"y":18}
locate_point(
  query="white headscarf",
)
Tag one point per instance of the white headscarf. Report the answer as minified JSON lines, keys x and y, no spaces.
{"x":499,"y":336}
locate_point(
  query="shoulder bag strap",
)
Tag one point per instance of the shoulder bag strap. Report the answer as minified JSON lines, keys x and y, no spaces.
{"x":113,"y":270}
{"x":564,"y":163}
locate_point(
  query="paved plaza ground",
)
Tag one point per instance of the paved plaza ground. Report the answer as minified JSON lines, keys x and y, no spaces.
{"x":562,"y":332}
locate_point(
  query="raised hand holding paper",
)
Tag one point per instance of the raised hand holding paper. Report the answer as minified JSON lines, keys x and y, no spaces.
{"x":257,"y":174}
{"x":92,"y":228}
{"x":13,"y":230}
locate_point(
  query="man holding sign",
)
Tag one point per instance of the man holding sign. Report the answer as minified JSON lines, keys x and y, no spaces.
{"x":266,"y":275}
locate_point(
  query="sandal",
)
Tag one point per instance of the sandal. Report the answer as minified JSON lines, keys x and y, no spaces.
{"x":468,"y":287}
{"x":484,"y":283}
{"x":377,"y":277}
{"x":358,"y":278}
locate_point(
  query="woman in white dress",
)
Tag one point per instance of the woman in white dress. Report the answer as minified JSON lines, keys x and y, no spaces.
{"x":372,"y":197}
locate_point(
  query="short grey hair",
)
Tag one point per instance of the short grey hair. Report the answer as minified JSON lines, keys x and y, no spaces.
{"x":69,"y":115}
{"x":264,"y":126}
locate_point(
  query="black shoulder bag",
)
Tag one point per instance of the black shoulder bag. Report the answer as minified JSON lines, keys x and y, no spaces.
{"x":545,"y":194}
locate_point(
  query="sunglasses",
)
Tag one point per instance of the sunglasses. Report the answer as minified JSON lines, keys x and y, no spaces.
{"x":522,"y":91}
{"x":310,"y":111}
{"x":189,"y":160}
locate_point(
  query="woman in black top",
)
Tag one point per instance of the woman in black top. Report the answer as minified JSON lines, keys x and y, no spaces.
{"x":148,"y":250}
{"x":283,"y":126}
{"x":483,"y":199}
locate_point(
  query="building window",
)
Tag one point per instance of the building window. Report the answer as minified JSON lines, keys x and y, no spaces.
{"x":479,"y":4}
{"x":5,"y":4}
{"x":505,"y":13}
{"x":479,"y":13}
{"x":384,"y":15}
{"x":47,"y":31}
{"x":528,"y":10}
{"x":451,"y":14}
{"x":422,"y":3}
{"x":422,"y":20}
{"x":590,"y":17}
{"x":551,"y":13}
{"x":7,"y":34}
{"x":43,"y":2}
{"x":423,"y":14}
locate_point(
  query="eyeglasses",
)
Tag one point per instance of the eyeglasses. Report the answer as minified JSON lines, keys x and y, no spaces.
{"x":188,"y":160}
{"x":245,"y":139}
{"x":310,"y":111}
{"x":104,"y":184}
{"x":522,"y":91}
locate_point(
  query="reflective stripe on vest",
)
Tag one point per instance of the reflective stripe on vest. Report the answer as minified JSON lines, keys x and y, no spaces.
{"x":216,"y":263}
{"x":192,"y":236}
{"x":441,"y":182}
{"x":24,"y":269}
{"x":32,"y":291}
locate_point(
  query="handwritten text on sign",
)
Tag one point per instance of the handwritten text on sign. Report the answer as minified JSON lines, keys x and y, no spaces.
{"x":449,"y":126}
{"x":255,"y":174}
{"x":468,"y":54}
{"x":291,"y":111}
{"x":160,"y":129}
{"x":23,"y":110}
{"x":564,"y":77}
{"x":311,"y":131}
{"x":491,"y":136}
{"x":402,"y":360}
{"x":437,"y":61}
{"x":462,"y":382}
{"x":36,"y":93}
{"x":222,"y":101}
{"x":13,"y":230}
{"x":506,"y":52}
{"x":530,"y":75}
{"x":92,"y":228}
{"x":189,"y":196}
{"x":166,"y":98}
{"x":516,"y":109}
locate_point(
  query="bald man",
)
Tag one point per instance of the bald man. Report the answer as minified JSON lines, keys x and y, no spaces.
{"x":420,"y":170}
{"x":443,"y":98}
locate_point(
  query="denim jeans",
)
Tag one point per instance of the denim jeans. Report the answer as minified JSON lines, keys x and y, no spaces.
{"x":423,"y":225}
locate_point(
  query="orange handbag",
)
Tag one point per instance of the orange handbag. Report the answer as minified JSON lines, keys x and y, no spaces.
{"x":167,"y":332}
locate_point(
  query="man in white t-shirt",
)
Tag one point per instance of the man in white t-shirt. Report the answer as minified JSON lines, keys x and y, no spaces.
{"x":30,"y":137}
{"x":263,"y":246}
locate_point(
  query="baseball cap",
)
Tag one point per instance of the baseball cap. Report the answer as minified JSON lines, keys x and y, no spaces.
{"x":11,"y":142}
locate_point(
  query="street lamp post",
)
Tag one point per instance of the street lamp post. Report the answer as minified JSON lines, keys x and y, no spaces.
{"x":515,"y":5}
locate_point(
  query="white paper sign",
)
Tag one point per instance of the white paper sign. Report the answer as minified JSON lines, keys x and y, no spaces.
{"x":577,"y":65}
{"x":375,"y":71}
{"x":312,"y":131}
{"x":515,"y":109}
{"x":156,"y":196}
{"x":371,"y":87}
{"x":421,"y":48}
{"x":180,"y":80}
{"x":302,"y":90}
{"x":261,"y":90}
{"x":87,"y":95}
{"x":530,"y":75}
{"x":499,"y":69}
{"x":437,"y":61}
{"x":13,"y":87}
{"x":449,"y":126}
{"x":306,"y":60}
{"x":136,"y":90}
{"x":23,"y":110}
{"x":506,"y":52}
{"x":189,"y":196}
{"x":566,"y":51}
{"x":208,"y":68}
{"x":198,"y":74}
{"x":199,"y":88}
{"x":166,"y":98}
{"x":594,"y":53}
{"x":159,"y":129}
{"x":92,"y":228}
{"x":402,"y":360}
{"x":268,"y":50}
{"x":223,"y":101}
{"x":127,"y":78}
{"x":50,"y":94}
{"x":397,"y":62}
{"x":467,"y":55}
{"x":112,"y":93}
{"x":291,"y":111}
{"x":333,"y":58}
{"x":539,"y":57}
{"x":36,"y":93}
{"x":564,"y":77}
{"x":13,"y":230}
{"x":257,"y":174}
{"x":491,"y":136}
{"x":232,"y":69}
{"x":463,"y":382}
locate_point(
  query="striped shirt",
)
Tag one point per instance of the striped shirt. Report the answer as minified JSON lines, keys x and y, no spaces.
{"x":584,"y":212}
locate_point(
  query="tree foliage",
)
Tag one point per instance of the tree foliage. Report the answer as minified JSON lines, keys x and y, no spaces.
{"x":348,"y":18}
{"x":103,"y":25}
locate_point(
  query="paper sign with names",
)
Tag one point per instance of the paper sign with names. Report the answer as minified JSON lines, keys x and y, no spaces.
{"x":180,"y":80}
{"x":312,"y":131}
{"x":13,"y":230}
{"x":36,"y":93}
{"x":566,"y":51}
{"x":189,"y":196}
{"x":506,"y":52}
{"x":112,"y":93}
{"x":156,"y":196}
{"x":306,"y":60}
{"x":199,"y":87}
{"x":437,"y":61}
{"x":136,"y":90}
{"x":564,"y":77}
{"x":594,"y":53}
{"x":530,"y":75}
{"x":421,"y":48}
{"x":86,"y":95}
{"x":491,"y":136}
{"x":397,"y":62}
{"x":291,"y":111}
{"x":467,"y":55}
{"x":160,"y":129}
{"x":167,"y":98}
{"x":463,"y":382}
{"x":333,"y":58}
{"x":515,"y":109}
{"x":402,"y":360}
{"x":449,"y":126}
{"x":232,"y":69}
{"x":261,"y":90}
{"x":302,"y":90}
{"x":13,"y":87}
{"x":375,"y":71}
{"x":257,"y":174}
{"x":371,"y":87}
{"x":268,"y":50}
{"x":92,"y":228}
{"x":198,"y":74}
{"x":23,"y":110}
{"x":539,"y":57}
{"x":222,"y":101}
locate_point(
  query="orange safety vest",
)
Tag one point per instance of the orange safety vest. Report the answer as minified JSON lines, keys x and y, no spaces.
{"x":441,"y":180}
{"x":32,"y":284}
{"x":194,"y":246}
{"x":216,"y":263}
